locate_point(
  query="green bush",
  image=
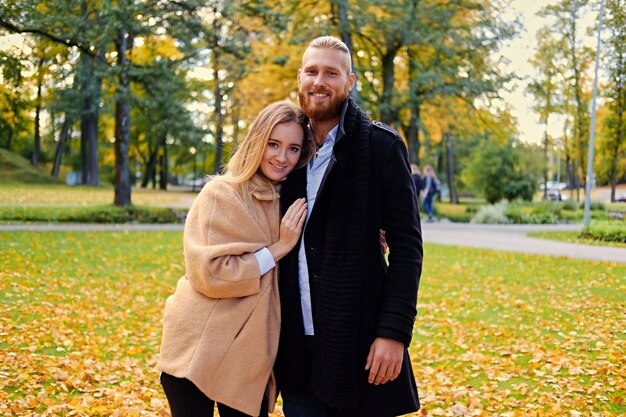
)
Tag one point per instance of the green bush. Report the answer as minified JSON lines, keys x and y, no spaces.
{"x":92,"y":214}
{"x":457,"y":213}
{"x":605,"y":231}
{"x":570,"y":205}
{"x":521,"y":212}
{"x":519,"y":187}
{"x":543,"y":213}
{"x":594,"y":205}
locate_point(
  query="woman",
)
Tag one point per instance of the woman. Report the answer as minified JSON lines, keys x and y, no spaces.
{"x":221,"y":326}
{"x":430,"y":189}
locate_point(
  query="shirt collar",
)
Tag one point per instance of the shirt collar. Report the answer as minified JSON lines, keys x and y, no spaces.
{"x":332,"y":135}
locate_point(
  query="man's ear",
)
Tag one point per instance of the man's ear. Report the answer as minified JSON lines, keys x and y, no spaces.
{"x":351,"y":80}
{"x":298,"y":76}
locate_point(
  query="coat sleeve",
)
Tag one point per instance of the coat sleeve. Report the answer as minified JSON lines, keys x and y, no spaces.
{"x":220,"y":238}
{"x":400,"y":220}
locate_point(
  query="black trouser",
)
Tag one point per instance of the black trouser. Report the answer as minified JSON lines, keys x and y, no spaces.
{"x":186,"y":400}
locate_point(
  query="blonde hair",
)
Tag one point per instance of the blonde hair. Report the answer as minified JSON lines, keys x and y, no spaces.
{"x":324,"y":42}
{"x":243,"y":168}
{"x":428,"y":170}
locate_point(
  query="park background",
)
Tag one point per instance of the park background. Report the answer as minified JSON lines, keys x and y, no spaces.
{"x":133,"y":102}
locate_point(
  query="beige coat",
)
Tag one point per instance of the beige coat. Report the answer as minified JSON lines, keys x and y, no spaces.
{"x":221,"y":326}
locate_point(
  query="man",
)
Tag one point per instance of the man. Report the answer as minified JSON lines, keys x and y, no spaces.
{"x":347,"y":316}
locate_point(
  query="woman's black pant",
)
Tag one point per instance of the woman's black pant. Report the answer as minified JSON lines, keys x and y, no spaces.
{"x":186,"y":400}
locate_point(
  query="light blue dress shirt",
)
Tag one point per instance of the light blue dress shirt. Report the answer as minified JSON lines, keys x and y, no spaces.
{"x":315,"y":172}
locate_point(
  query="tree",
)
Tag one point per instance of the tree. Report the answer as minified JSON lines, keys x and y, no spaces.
{"x":13,"y":102}
{"x":544,"y":88}
{"x":425,"y":50}
{"x":160,"y":118}
{"x":496,"y":171}
{"x":615,"y":60}
{"x":95,"y":29}
{"x":72,"y":25}
{"x":567,"y":14}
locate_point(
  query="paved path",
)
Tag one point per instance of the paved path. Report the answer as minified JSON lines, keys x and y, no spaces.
{"x":498,"y":237}
{"x":513,"y":238}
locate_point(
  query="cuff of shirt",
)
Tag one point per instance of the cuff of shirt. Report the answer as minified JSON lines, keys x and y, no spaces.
{"x":265,"y":259}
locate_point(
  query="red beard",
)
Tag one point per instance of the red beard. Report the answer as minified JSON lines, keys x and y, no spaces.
{"x":322,"y":112}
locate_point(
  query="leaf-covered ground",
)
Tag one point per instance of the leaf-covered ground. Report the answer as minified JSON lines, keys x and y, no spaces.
{"x":497,"y":334}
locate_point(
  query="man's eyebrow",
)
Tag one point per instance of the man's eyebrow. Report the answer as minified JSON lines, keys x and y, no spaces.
{"x":326,"y":67}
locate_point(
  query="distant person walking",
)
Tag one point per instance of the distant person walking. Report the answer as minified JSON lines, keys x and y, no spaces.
{"x":431,"y":186}
{"x":221,"y":326}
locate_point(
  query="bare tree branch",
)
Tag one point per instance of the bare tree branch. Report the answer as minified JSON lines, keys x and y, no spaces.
{"x":68,"y":42}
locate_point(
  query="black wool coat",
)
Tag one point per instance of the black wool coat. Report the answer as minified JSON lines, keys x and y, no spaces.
{"x":355,"y":296}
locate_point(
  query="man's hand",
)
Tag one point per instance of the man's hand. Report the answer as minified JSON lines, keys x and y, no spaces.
{"x":384,"y":360}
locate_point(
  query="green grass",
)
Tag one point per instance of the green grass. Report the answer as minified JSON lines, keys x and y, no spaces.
{"x":17,"y":169}
{"x":496,"y":332}
{"x":59,"y":195}
{"x":57,"y":203}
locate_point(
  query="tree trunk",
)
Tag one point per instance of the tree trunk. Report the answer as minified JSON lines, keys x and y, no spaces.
{"x":219,"y":118}
{"x":386,"y":106}
{"x":58,"y":153}
{"x":569,"y":175}
{"x":619,"y":129}
{"x":413,"y":138}
{"x":149,"y":169}
{"x":343,"y":26}
{"x":454,"y":199}
{"x":580,"y":108}
{"x":545,"y":164}
{"x":164,"y":168}
{"x":37,"y":141}
{"x":122,"y":123}
{"x":90,"y":91}
{"x":440,"y":161}
{"x":576,"y":180}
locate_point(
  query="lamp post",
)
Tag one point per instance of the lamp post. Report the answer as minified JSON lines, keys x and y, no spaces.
{"x":193,"y":152}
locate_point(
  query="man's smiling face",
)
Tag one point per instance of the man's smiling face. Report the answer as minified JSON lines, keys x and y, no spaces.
{"x":324,"y":82}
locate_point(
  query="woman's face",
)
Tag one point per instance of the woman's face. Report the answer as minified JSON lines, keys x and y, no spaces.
{"x":283,"y":151}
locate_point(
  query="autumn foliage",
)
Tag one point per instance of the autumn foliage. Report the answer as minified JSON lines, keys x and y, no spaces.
{"x":497,"y":334}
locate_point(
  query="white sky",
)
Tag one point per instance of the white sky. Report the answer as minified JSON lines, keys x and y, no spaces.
{"x":518,"y":51}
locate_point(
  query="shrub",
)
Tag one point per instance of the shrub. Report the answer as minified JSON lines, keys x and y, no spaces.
{"x":92,"y":214}
{"x":535,"y":214}
{"x":492,"y":214}
{"x":570,"y":205}
{"x":608,"y":232}
{"x":595,"y":205}
{"x":458,"y":213}
{"x":519,"y":187}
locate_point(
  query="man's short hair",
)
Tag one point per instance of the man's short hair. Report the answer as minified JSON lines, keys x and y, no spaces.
{"x":331,"y":42}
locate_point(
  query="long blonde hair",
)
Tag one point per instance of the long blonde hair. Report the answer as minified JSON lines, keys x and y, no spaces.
{"x":243,"y":168}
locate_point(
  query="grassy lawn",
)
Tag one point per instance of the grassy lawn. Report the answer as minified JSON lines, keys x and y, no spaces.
{"x":572,"y":237}
{"x":59,"y":195}
{"x":497,"y":334}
